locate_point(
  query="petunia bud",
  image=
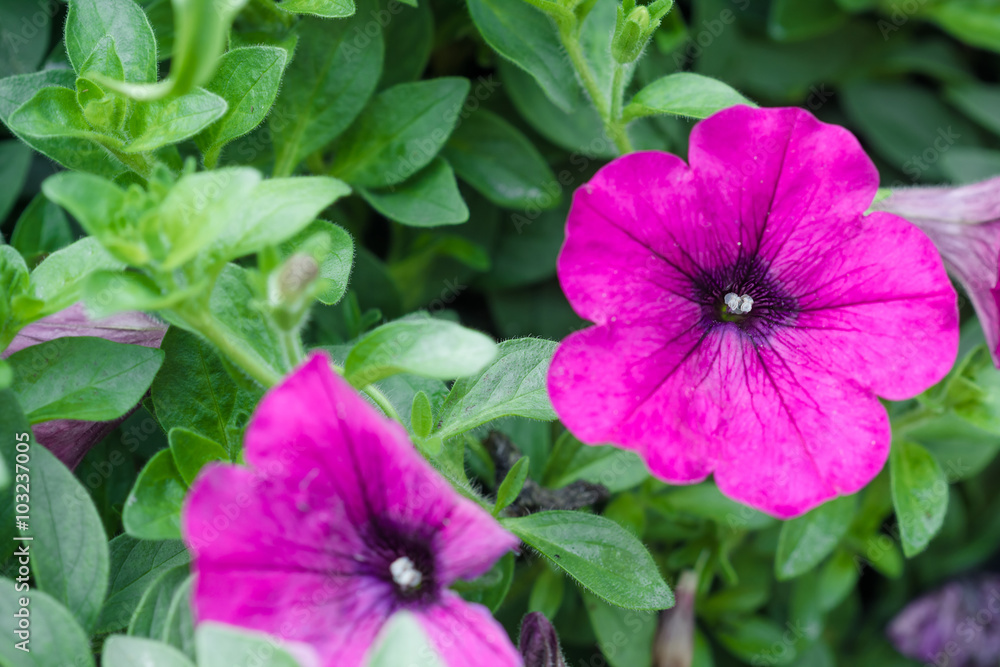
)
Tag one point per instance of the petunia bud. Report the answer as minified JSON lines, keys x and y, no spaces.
{"x":291,"y":289}
{"x":957,"y":624}
{"x":964,"y":224}
{"x":675,"y":639}
{"x":539,"y":644}
{"x":631,"y":34}
{"x":70,"y":439}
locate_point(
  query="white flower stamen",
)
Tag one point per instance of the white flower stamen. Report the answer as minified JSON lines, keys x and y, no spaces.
{"x":738,"y":305}
{"x":405,"y":574}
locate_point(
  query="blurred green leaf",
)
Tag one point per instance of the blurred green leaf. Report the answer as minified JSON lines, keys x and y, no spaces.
{"x":807,"y":540}
{"x":191,"y":451}
{"x":41,"y":229}
{"x":793,"y":20}
{"x":330,"y":9}
{"x":15,"y":158}
{"x":55,"y":639}
{"x":919,"y":494}
{"x":122,"y":651}
{"x":153,"y":508}
{"x":218,"y":645}
{"x":135,"y":566}
{"x":150,"y":617}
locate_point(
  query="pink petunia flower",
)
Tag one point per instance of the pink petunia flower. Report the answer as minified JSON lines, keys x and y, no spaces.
{"x":337,"y":524}
{"x":964,"y":224}
{"x":748,"y":314}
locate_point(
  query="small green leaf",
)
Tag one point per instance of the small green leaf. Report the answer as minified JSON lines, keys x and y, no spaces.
{"x":333,"y":248}
{"x":974,"y":22}
{"x":683,"y":94}
{"x":58,"y":280}
{"x":55,"y":637}
{"x":429,"y":198}
{"x":598,"y":553}
{"x":218,"y":645}
{"x":247,"y":79}
{"x":421,"y":415}
{"x":403,"y":642}
{"x":706,"y":501}
{"x":408,"y":44}
{"x":89,"y":21}
{"x":400,"y":132}
{"x":193,"y":390}
{"x":610,"y":624}
{"x":804,"y":542}
{"x":122,"y":651}
{"x":153,"y":508}
{"x":135,"y":566}
{"x":41,"y":229}
{"x":419,"y":345}
{"x":276,"y":210}
{"x":919,"y":494}
{"x":328,"y":9}
{"x":494,"y":157}
{"x":170,"y":121}
{"x":70,"y":549}
{"x":513,"y":384}
{"x":82,"y":377}
{"x":751,"y":637}
{"x":527,"y":37}
{"x":192,"y":451}
{"x":511,"y":485}
{"x":327,"y":84}
{"x":150,"y":617}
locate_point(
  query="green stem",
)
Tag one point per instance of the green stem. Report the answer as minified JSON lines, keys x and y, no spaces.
{"x":214,"y":331}
{"x":609,"y":109}
{"x":293,"y":348}
{"x":376,"y":395}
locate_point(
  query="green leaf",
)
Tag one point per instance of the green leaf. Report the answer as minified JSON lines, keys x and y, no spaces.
{"x":150,"y":617}
{"x":494,"y":157}
{"x":109,"y":292}
{"x":403,"y":642}
{"x":794,"y":20}
{"x":218,"y":645}
{"x":610,"y":624}
{"x":135,"y":566}
{"x":55,"y":637}
{"x":919,"y":494}
{"x":247,"y":79}
{"x":328,"y":9}
{"x":170,"y":121}
{"x":979,"y":102}
{"x":153,"y":508}
{"x":94,"y":201}
{"x":58,"y":280}
{"x":52,"y":123}
{"x":23,"y":49}
{"x":615,"y":469}
{"x":419,"y":345}
{"x":515,"y":384}
{"x":804,"y":542}
{"x":333,"y":248}
{"x":42,"y":228}
{"x":401,"y":131}
{"x":602,"y":556}
{"x":837,"y":578}
{"x":421,"y":415}
{"x":179,"y":628}
{"x":276,"y":210}
{"x":89,"y":21}
{"x":706,"y":501}
{"x":975,"y":22}
{"x":192,"y":451}
{"x":235,"y":304}
{"x":70,"y":551}
{"x":528,"y":38}
{"x":752,"y":637}
{"x":429,"y":198}
{"x":327,"y":84}
{"x":15,"y":158}
{"x":193,"y":390}
{"x":511,"y":485}
{"x":490,"y":589}
{"x":122,"y":651}
{"x":82,"y":377}
{"x":408,"y":44}
{"x":683,"y":94}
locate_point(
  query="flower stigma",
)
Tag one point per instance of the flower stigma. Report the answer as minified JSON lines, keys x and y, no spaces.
{"x":738,"y":305}
{"x":405,"y":574}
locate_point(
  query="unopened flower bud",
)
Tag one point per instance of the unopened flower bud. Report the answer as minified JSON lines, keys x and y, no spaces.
{"x":296,"y":277}
{"x":631,"y":34}
{"x":539,"y":644}
{"x":675,"y":639}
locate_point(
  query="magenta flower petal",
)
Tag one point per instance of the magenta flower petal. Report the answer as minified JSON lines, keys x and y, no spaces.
{"x":467,"y":635}
{"x":337,"y":524}
{"x":964,"y":224}
{"x":748,"y":315}
{"x":71,"y":439}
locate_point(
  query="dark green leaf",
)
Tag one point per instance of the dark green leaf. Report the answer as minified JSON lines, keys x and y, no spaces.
{"x":153,"y":508}
{"x":792,"y":20}
{"x":919,"y":494}
{"x":599,"y":554}
{"x":150,"y":618}
{"x":400,"y":132}
{"x":408,"y":44}
{"x":612,"y":624}
{"x":429,"y":198}
{"x":41,"y":229}
{"x":979,"y":102}
{"x":807,"y":540}
{"x":15,"y":158}
{"x":82,"y":378}
{"x":192,"y":451}
{"x":514,"y":384}
{"x":135,"y":566}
